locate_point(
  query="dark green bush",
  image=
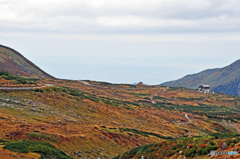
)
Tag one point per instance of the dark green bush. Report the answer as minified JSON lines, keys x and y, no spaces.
{"x":236,"y":140}
{"x":210,"y":148}
{"x":37,"y":135}
{"x":224,"y":135}
{"x":39,"y":90}
{"x":48,"y":152}
{"x":45,"y":149}
{"x":211,"y":143}
{"x":199,"y":152}
{"x":232,"y":144}
{"x":16,"y":147}
{"x":143,"y":133}
{"x":204,"y":151}
{"x":16,"y":78}
{"x":190,"y":152}
{"x":229,"y":141}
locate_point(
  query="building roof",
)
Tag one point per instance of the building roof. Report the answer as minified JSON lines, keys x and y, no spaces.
{"x":205,"y":85}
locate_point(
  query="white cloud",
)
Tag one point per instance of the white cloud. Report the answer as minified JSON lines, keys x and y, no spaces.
{"x":101,"y":16}
{"x":128,"y":35}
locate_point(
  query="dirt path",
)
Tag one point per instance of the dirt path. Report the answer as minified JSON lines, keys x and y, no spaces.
{"x":86,"y":83}
{"x":186,"y":116}
{"x":153,"y":102}
{"x":151,"y":98}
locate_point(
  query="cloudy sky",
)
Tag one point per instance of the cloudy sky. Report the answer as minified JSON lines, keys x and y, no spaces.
{"x":123,"y":41}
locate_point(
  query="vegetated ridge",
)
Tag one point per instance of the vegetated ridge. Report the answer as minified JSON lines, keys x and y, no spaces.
{"x":190,"y":147}
{"x":13,"y":62}
{"x":224,"y":80}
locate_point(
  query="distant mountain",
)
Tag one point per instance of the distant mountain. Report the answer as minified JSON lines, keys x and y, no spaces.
{"x":13,"y":62}
{"x":223,"y":80}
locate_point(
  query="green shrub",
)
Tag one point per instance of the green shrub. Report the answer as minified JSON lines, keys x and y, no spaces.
{"x":173,"y":88}
{"x":236,"y":140}
{"x":48,"y":90}
{"x":210,"y":148}
{"x":204,"y":151}
{"x":199,"y":152}
{"x":232,"y":144}
{"x":2,"y":140}
{"x":229,"y":141}
{"x":190,"y":152}
{"x":39,"y":90}
{"x":37,"y":135}
{"x":46,"y":150}
{"x":54,"y":139}
{"x":139,"y":94}
{"x":224,"y":135}
{"x":143,"y":133}
{"x":201,"y":145}
{"x":17,"y":79}
{"x":16,"y":147}
{"x":211,"y":143}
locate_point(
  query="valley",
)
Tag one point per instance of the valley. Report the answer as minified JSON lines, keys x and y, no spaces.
{"x":97,"y":119}
{"x":45,"y":117}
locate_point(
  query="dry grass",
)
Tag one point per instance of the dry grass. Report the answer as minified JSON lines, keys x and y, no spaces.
{"x":74,"y":125}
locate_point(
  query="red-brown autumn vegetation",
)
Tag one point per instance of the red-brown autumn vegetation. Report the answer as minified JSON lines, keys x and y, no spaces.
{"x":73,"y":124}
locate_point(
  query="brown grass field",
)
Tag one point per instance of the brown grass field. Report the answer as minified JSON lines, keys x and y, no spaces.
{"x":105,"y":120}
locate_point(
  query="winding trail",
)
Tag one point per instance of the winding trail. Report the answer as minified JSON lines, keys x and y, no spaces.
{"x":153,"y":102}
{"x":186,"y":116}
{"x":151,"y":98}
{"x":86,"y":83}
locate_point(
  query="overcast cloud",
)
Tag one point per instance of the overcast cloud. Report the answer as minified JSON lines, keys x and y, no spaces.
{"x":163,"y":30}
{"x":100,"y":16}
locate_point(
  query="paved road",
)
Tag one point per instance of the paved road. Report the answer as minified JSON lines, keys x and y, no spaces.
{"x":24,"y":88}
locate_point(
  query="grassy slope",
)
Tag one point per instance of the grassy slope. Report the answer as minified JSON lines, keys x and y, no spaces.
{"x":13,"y":62}
{"x":106,"y":120}
{"x":7,"y":154}
{"x":224,"y":80}
{"x":193,"y":147}
{"x":45,"y":149}
{"x":11,"y":80}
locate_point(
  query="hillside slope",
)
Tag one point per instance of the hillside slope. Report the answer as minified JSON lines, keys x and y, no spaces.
{"x":191,"y":147}
{"x":13,"y":62}
{"x":223,"y":80}
{"x":98,"y":119}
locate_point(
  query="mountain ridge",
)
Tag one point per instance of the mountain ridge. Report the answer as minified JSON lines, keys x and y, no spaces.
{"x":14,"y":62}
{"x":223,"y":80}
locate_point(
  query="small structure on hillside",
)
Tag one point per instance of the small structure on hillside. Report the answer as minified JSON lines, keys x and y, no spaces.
{"x":140,"y":83}
{"x":204,"y":89}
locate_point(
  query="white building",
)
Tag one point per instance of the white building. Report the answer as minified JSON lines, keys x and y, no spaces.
{"x":204,"y":88}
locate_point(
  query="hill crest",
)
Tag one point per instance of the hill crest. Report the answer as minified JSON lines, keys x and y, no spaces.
{"x":223,"y":80}
{"x":13,"y":62}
